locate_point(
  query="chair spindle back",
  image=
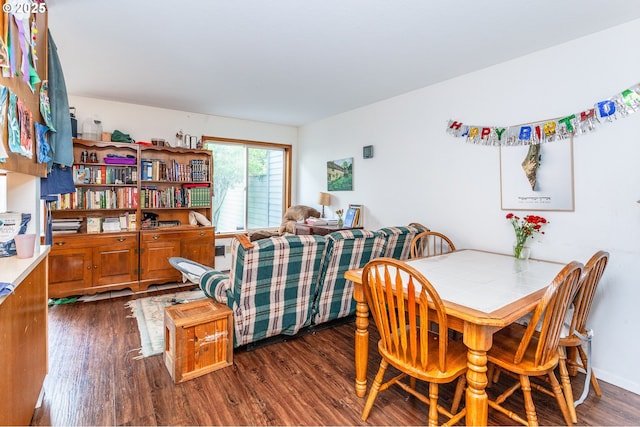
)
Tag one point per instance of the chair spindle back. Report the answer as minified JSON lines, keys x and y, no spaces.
{"x":430,"y":243}
{"x":399,"y":299}
{"x":551,"y":311}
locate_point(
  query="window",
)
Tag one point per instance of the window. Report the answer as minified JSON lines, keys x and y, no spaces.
{"x":251,"y":183}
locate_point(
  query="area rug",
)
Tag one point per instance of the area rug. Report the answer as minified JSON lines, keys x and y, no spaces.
{"x":149,"y":314}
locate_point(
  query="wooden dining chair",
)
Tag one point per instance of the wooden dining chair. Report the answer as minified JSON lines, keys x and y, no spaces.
{"x":524,"y":352}
{"x":430,"y":243}
{"x":399,"y":299}
{"x":575,"y":333}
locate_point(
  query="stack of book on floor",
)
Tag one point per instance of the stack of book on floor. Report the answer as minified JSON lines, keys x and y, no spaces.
{"x":65,"y":225}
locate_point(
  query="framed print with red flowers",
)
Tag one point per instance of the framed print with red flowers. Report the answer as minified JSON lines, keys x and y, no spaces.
{"x":537,"y":176}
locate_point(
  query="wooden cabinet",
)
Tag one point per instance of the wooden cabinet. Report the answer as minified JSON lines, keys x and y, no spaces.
{"x":151,"y":196}
{"x":198,"y":245}
{"x":157,"y":246}
{"x":78,"y":265}
{"x":23,"y":328}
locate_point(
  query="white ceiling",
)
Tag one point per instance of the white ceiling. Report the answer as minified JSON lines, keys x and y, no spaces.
{"x":296,"y":61}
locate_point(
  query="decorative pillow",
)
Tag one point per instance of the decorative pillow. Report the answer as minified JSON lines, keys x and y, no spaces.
{"x":262,"y":234}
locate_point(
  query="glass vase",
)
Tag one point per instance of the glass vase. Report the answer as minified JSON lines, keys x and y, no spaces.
{"x":521,"y":251}
{"x":340,"y":222}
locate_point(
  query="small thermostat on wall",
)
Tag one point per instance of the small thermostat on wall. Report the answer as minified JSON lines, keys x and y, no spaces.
{"x":367,"y":152}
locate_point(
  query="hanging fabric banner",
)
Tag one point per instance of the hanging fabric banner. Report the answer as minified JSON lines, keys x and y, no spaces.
{"x":619,"y":105}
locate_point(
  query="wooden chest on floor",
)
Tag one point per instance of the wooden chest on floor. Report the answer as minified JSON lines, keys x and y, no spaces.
{"x":198,"y":338}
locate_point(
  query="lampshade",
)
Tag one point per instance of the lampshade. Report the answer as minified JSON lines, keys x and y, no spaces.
{"x":324,"y":199}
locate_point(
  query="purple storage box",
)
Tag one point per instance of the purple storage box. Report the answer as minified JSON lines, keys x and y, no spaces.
{"x":120,"y":160}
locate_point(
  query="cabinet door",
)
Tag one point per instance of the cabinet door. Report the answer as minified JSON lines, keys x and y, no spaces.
{"x":115,"y":261}
{"x":198,"y":246}
{"x":70,"y":268}
{"x":156,"y":248}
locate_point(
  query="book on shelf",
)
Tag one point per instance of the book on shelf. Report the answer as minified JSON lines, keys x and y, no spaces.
{"x":94,"y":224}
{"x":65,"y":225}
{"x":359,"y":211}
{"x":133,"y":226}
{"x":349,"y":218}
{"x":56,"y":232}
{"x":111,"y":224}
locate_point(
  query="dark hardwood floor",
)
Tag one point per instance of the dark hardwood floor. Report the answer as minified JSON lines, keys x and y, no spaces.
{"x":95,"y":379}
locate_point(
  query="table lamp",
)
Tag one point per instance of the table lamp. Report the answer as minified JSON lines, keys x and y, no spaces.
{"x":324,"y":199}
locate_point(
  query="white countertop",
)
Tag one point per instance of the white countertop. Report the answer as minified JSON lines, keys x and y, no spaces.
{"x":14,"y":269}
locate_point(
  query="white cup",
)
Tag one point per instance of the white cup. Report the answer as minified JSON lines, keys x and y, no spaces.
{"x":25,"y":245}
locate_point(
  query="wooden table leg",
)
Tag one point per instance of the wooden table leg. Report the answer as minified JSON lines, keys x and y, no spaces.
{"x":478,"y":340}
{"x":361,"y":341}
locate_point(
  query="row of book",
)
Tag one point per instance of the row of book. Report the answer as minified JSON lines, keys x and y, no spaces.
{"x":125,"y":222}
{"x":86,"y":198}
{"x":189,"y":195}
{"x":83,"y":174}
{"x":65,"y":225}
{"x":159,"y":170}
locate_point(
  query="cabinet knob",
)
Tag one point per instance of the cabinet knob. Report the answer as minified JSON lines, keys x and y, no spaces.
{"x":89,"y":267}
{"x":95,"y":267}
{"x":60,"y":243}
{"x":156,"y":237}
{"x":121,"y":239}
{"x":202,"y":233}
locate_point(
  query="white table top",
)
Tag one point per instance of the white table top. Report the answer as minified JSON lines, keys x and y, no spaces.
{"x":485,"y":281}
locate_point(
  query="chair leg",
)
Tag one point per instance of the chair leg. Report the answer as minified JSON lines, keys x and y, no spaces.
{"x":562,"y":402}
{"x":572,"y":364}
{"x":375,"y":388}
{"x":433,"y":404}
{"x":496,"y":375}
{"x":412,"y":382}
{"x":594,"y":380}
{"x":566,"y":384}
{"x":529,"y":408}
{"x":490,"y":369}
{"x":457,"y":397}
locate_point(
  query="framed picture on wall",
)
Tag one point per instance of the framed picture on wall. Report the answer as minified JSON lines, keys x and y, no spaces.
{"x":340,"y":175}
{"x":537,"y":177}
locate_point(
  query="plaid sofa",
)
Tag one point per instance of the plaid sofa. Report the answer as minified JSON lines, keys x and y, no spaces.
{"x":269,"y":287}
{"x":283,"y":284}
{"x":345,"y":250}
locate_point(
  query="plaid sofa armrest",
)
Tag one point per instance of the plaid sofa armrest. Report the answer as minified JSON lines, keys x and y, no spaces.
{"x":216,"y":285}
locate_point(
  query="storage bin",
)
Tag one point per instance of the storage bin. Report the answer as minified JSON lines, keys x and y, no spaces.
{"x":198,"y":338}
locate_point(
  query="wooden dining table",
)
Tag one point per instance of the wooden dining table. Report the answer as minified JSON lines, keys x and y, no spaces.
{"x":482,"y":293}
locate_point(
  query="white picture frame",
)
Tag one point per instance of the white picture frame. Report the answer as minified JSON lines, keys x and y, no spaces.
{"x":554,"y":178}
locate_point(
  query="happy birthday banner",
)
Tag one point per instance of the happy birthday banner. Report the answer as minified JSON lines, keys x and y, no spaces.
{"x":619,"y":105}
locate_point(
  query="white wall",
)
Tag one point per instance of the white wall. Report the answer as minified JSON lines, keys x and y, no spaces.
{"x":420,"y":173}
{"x":144,"y":123}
